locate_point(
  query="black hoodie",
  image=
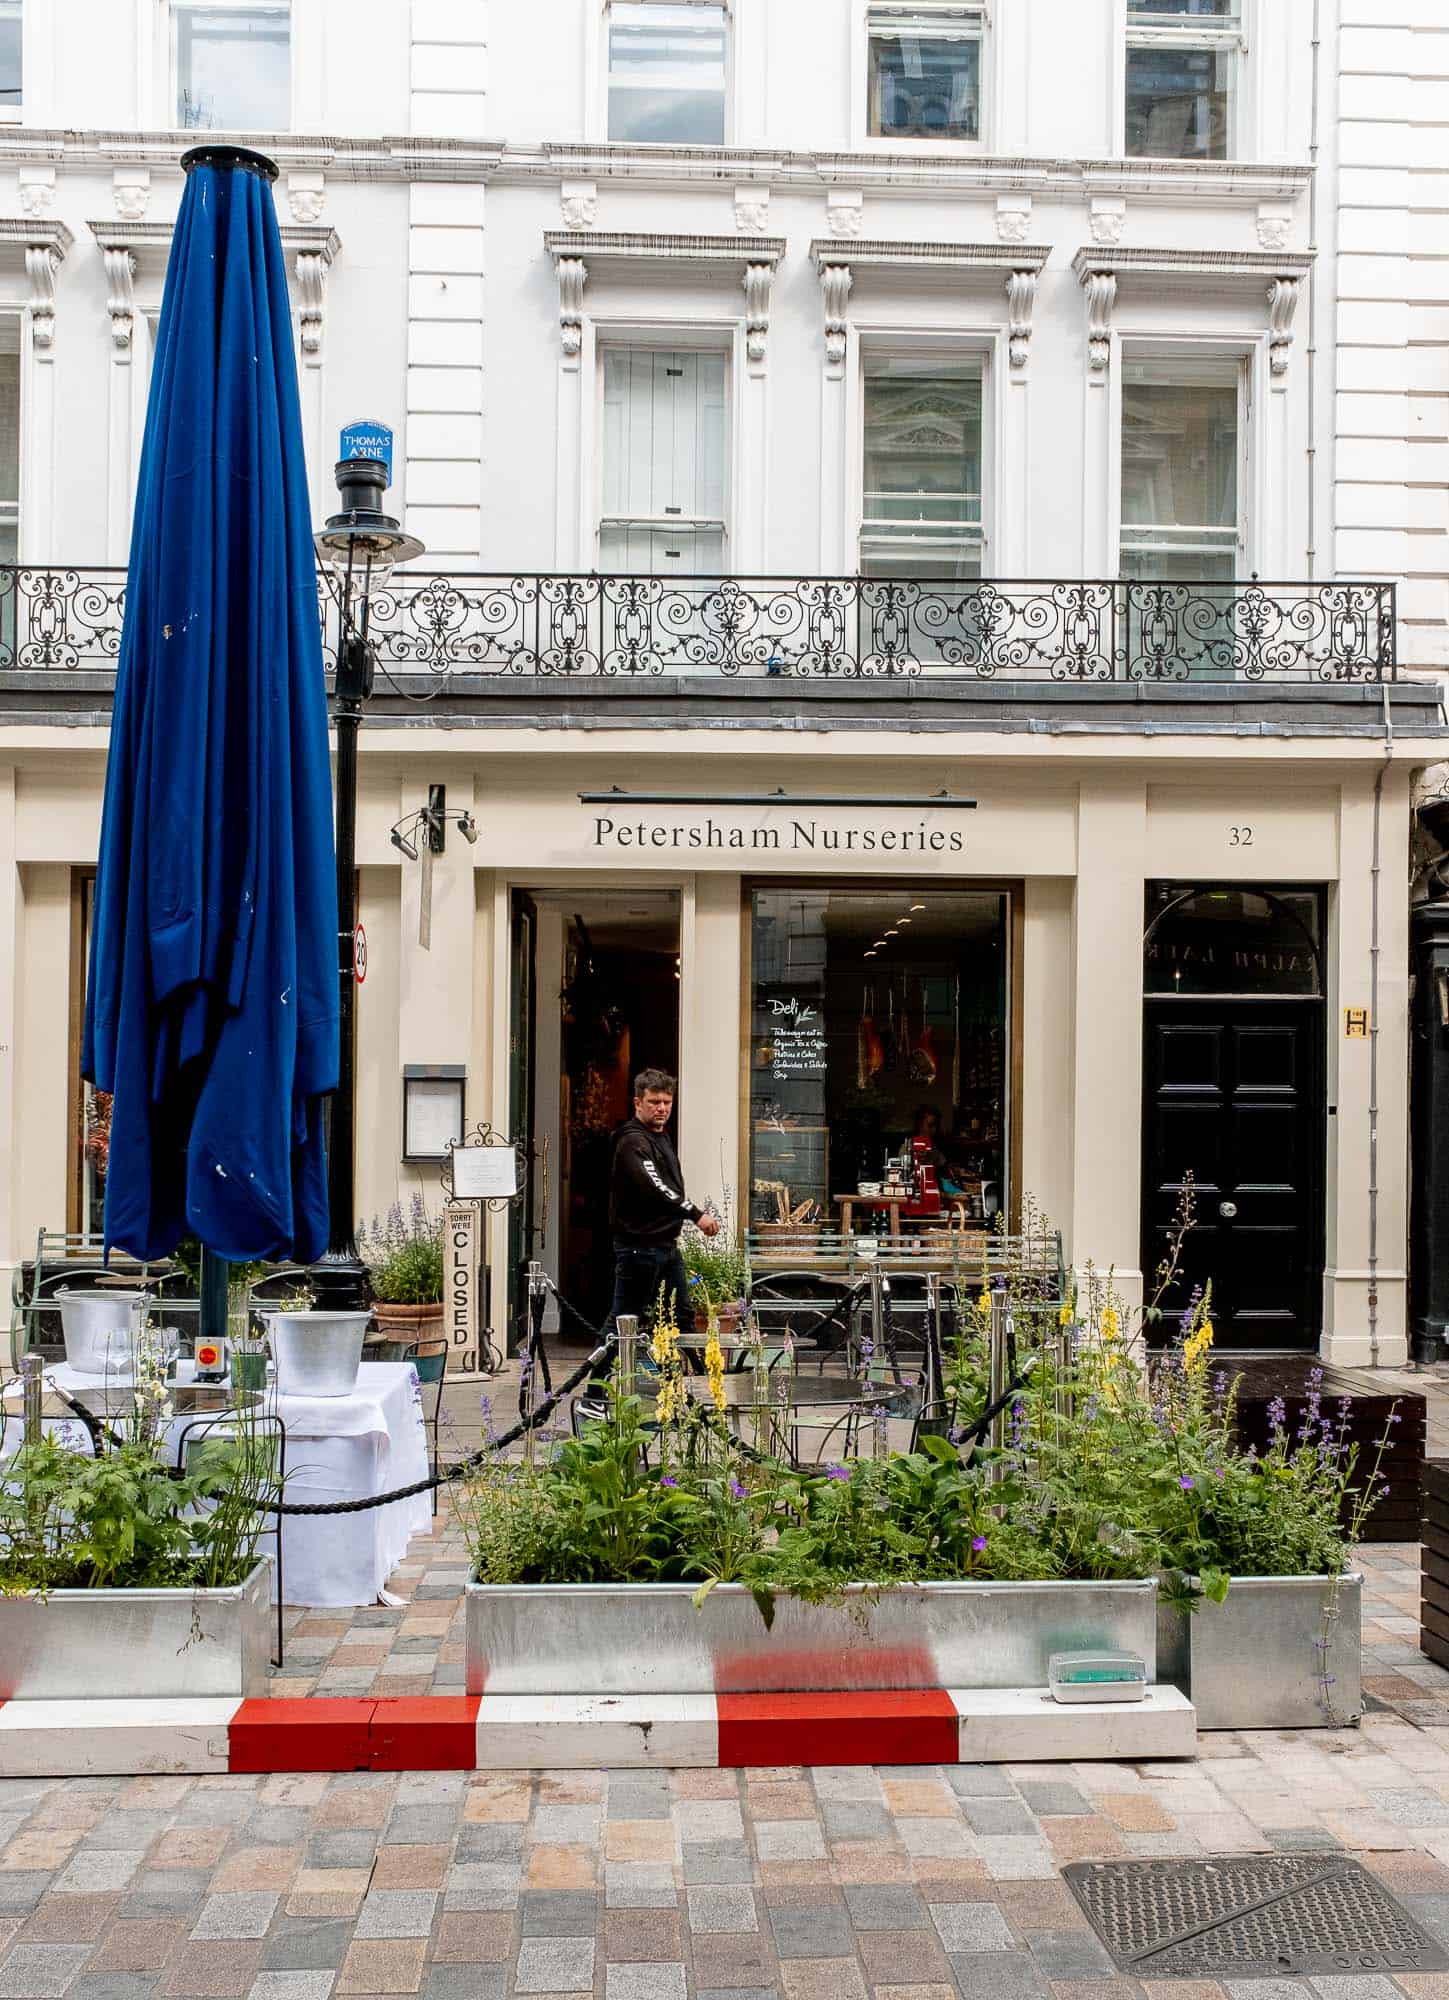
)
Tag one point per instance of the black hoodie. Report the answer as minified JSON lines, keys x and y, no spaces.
{"x":647,"y":1206}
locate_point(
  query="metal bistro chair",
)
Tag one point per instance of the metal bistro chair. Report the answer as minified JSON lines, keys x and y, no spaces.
{"x":811,"y":1307}
{"x":267,"y":1425}
{"x":430,"y":1359}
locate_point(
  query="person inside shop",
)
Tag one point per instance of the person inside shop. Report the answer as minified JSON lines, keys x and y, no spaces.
{"x":648,"y":1207}
{"x":933,"y":1169}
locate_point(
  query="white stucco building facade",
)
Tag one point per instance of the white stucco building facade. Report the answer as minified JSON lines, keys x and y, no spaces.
{"x":1043,"y":329}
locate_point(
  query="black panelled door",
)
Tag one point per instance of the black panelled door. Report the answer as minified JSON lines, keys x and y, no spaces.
{"x":1234,"y":1092}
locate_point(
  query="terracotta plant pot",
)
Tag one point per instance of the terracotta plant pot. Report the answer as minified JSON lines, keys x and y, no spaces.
{"x":409,"y":1323}
{"x":728,"y":1318}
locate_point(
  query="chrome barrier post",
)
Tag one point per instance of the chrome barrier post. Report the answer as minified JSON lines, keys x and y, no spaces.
{"x":628,"y":1325}
{"x":30,"y":1365}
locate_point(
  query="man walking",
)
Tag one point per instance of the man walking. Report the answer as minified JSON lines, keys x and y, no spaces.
{"x":648,"y":1208}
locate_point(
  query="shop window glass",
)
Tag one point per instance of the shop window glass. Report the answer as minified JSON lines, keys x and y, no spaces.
{"x":666,"y":73}
{"x":1228,"y":940}
{"x":1182,"y":70}
{"x":924,"y":73}
{"x":921,"y":503}
{"x":1180,"y":469}
{"x":878,"y":1015}
{"x":664,"y":462}
{"x":233,"y":65}
{"x":91,"y":1139}
{"x":10,"y":62}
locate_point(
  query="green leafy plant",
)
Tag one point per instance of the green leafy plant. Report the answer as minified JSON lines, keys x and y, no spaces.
{"x":404,"y":1255}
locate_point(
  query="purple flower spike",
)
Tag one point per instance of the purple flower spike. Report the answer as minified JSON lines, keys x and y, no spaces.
{"x":737,"y":1492}
{"x":665,"y":1480}
{"x":836,"y":1472}
{"x":978,"y":1543}
{"x":1186,"y":1483}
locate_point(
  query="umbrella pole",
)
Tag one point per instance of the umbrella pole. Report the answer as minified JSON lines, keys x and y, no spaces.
{"x":213,"y":1295}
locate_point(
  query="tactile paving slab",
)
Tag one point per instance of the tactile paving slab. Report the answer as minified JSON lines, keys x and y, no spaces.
{"x":1252,"y":1916}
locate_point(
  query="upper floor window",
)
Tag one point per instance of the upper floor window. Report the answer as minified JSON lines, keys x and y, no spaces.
{"x":10,"y":67}
{"x":667,"y":72}
{"x":921,"y":502}
{"x":1183,"y":59}
{"x":924,"y":77}
{"x":232,"y":64}
{"x":1183,"y":423}
{"x":664,"y":462}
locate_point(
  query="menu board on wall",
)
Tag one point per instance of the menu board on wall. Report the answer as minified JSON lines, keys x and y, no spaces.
{"x":797,"y":1039}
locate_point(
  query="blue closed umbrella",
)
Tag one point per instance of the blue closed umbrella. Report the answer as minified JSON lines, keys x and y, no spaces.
{"x":212,"y":1002}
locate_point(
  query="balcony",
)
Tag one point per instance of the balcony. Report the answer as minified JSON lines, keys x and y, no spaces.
{"x":463,"y":627}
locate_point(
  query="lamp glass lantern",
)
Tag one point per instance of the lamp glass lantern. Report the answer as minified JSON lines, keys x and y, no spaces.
{"x":361,"y":545}
{"x":433,"y":1106}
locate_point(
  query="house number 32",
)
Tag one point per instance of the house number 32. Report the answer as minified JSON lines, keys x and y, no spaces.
{"x":1240,"y":836}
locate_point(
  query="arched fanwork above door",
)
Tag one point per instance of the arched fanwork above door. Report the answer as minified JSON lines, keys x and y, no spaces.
{"x":1232,"y":939}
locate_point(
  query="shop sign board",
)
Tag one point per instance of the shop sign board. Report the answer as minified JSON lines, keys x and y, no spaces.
{"x":797,"y":1039}
{"x":460,"y":1285}
{"x":366,"y":438}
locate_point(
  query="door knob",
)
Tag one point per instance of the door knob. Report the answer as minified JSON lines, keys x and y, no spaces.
{"x":1227,"y":1210}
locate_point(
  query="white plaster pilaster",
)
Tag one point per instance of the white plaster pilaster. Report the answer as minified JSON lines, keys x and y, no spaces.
{"x":10,"y":973}
{"x":834,"y":419}
{"x":709,"y":1106}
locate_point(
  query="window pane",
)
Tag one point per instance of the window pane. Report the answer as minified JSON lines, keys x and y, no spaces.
{"x":1179,"y":454}
{"x":667,"y":74}
{"x":925,"y":86}
{"x":861,"y":1043}
{"x":1231,"y":940}
{"x":1202,"y":10}
{"x":9,"y":414}
{"x":233,"y":68}
{"x":1177,"y":103}
{"x":9,"y":52}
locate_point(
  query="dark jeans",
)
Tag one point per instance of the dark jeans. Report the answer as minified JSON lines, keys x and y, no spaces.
{"x":639,"y":1274}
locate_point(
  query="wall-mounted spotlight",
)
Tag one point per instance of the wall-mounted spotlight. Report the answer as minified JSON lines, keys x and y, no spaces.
{"x":401,"y":842}
{"x":429,"y":825}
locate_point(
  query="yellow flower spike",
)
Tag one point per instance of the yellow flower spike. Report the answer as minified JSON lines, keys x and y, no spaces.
{"x":1110,"y":1323}
{"x":1064,"y":1317}
{"x":983,"y":1303}
{"x":714,"y":1368}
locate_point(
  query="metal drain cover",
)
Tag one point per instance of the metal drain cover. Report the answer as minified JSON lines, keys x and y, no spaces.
{"x":1254,"y":1916}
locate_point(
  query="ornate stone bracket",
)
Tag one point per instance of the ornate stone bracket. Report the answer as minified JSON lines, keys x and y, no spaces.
{"x":573,"y":275}
{"x":41,"y":264}
{"x":1282,"y":305}
{"x":1101,"y":290}
{"x":1020,"y":304}
{"x":121,"y":295}
{"x":757,"y":281}
{"x":835,"y":283}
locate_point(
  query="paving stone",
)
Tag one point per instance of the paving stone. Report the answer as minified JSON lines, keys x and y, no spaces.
{"x":22,"y":1890}
{"x":382,"y":1965}
{"x":1356,"y":1986}
{"x":1002,"y":1975}
{"x":165,"y":1892}
{"x":489,"y":1840}
{"x":886,"y":1906}
{"x":244,"y":1915}
{"x":277,"y":1826}
{"x":715,"y":1861}
{"x":412,"y":1826}
{"x":855,"y":1819}
{"x":465,"y":1982}
{"x":644,"y":1795}
{"x":644,"y":1982}
{"x":636,"y":1937}
{"x":1069,"y":1954}
{"x":203,"y":1972}
{"x":998,"y":1816}
{"x":484,"y":1885}
{"x":979,"y":1781}
{"x":822,"y":1979}
{"x":566,"y":1824}
{"x":639,"y":1886}
{"x":708,"y":1821}
{"x":971,"y":1927}
{"x":41,"y":1971}
{"x":341,"y":1849}
{"x":559,"y":1912}
{"x":69,"y":1919}
{"x":127,"y":1829}
{"x":396,"y":1913}
{"x":307,"y":1944}
{"x":292,"y":1986}
{"x":1050,"y":1800}
{"x":111,"y":1868}
{"x":722,"y":1908}
{"x":811,"y":1933}
{"x":555,"y":1965}
{"x":788,"y":1840}
{"x":113,"y":1986}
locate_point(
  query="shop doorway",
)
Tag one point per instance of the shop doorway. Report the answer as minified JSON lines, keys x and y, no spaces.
{"x":1234,"y":1094}
{"x":596,"y":998}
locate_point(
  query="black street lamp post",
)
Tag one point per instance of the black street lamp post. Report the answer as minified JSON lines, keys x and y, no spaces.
{"x":360,"y":546}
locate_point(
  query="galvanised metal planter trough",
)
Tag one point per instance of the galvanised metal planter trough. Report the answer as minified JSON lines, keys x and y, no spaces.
{"x":607,"y":1638}
{"x":1256,"y":1661}
{"x":74,"y":1645}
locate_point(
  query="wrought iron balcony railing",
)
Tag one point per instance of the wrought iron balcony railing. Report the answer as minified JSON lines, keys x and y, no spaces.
{"x":849,"y":627}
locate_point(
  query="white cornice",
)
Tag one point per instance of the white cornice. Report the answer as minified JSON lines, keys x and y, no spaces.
{"x":601,"y":246}
{"x":153,"y":239}
{"x":36,"y":233}
{"x":866,"y":254}
{"x":406,"y":158}
{"x":1190,"y":266}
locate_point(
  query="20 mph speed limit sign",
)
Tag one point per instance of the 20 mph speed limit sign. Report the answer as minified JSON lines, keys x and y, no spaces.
{"x":359,"y":954}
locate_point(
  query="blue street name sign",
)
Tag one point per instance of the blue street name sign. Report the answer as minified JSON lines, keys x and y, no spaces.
{"x":366,"y":439}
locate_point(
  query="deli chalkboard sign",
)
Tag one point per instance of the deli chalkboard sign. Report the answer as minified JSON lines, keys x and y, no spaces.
{"x":797,"y":1034}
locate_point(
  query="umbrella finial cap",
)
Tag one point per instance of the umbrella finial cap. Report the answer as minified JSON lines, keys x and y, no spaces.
{"x":243,"y":159}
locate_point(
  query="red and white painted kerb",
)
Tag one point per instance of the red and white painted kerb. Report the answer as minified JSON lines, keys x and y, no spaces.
{"x":555,"y":1732}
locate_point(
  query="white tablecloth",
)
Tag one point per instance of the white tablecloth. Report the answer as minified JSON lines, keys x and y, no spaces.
{"x":338,"y":1448}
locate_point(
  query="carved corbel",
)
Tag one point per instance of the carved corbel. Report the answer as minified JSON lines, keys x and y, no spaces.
{"x":573,"y":274}
{"x":311,"y":299}
{"x":41,"y":262}
{"x":1101,"y":290}
{"x":758,"y":280}
{"x":1282,"y":305}
{"x":1020,"y":303}
{"x":834,"y":292}
{"x":121,"y":296}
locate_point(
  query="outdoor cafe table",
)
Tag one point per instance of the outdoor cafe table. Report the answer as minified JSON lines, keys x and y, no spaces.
{"x":338,"y":1448}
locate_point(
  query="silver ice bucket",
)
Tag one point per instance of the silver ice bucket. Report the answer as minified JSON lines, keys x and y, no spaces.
{"x":100,"y":1329}
{"x":317,"y":1353}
